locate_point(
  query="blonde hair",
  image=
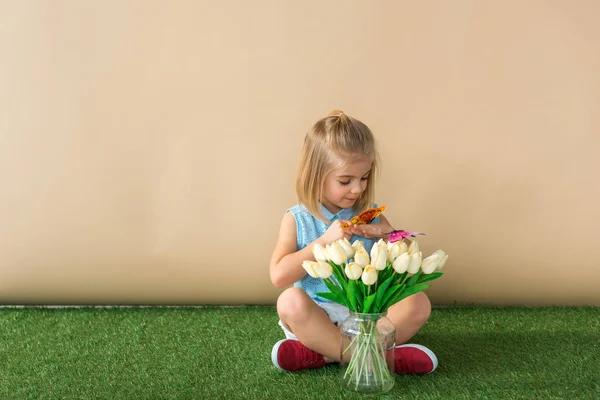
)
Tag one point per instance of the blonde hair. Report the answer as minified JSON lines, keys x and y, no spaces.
{"x":331,"y":143}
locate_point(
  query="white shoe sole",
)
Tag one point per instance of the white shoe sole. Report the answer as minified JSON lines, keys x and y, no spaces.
{"x":274,"y":353}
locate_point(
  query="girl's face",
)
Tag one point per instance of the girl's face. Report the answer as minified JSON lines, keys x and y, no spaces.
{"x":343,"y":186}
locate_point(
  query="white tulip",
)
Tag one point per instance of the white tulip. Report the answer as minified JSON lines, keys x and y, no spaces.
{"x":442,"y":262}
{"x":375,"y":248}
{"x":336,"y":253}
{"x":393,"y":251}
{"x":310,"y":266}
{"x":430,"y":264}
{"x":369,"y":275}
{"x":319,"y":252}
{"x":380,"y":262}
{"x":323,"y":269}
{"x":415,"y":263}
{"x":413,"y":248}
{"x":353,"y":271}
{"x":440,"y":253}
{"x":403,"y":247}
{"x":379,"y":255}
{"x":361,"y":257}
{"x":400,"y":264}
{"x":443,"y":257}
{"x":348,"y":249}
{"x":358,"y":244}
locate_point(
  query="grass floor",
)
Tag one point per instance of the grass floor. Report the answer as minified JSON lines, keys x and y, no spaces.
{"x":224,"y":353}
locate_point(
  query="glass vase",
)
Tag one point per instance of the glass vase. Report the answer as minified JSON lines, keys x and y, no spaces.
{"x":367,"y":358}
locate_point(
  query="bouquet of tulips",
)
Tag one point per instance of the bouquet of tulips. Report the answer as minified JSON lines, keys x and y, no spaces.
{"x":370,"y":284}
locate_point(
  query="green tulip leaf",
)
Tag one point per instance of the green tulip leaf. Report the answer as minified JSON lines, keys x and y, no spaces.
{"x":338,"y":272}
{"x":352,"y":294}
{"x":413,"y":279}
{"x":381,"y":292}
{"x":368,"y":302}
{"x":362,"y":286}
{"x":391,"y":293}
{"x":430,"y":277}
{"x":409,"y":291}
{"x":333,"y":288}
{"x":400,"y":278}
{"x":359,"y":299}
{"x":334,"y":297}
{"x":381,"y":278}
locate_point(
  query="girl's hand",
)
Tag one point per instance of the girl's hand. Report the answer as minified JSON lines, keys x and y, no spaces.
{"x":370,"y":231}
{"x":336,"y":232}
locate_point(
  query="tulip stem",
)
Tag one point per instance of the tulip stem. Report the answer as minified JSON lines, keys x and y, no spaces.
{"x":405,"y":278}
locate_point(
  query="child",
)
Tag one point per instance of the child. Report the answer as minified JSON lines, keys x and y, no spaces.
{"x":334,"y":183}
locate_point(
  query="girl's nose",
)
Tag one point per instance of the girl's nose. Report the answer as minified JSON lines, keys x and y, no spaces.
{"x":356,"y":189}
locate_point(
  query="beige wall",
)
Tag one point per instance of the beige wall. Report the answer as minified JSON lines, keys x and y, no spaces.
{"x":143,"y":144}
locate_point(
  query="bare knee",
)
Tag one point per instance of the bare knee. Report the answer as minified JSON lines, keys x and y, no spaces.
{"x":293,"y":305}
{"x":421,"y":308}
{"x":414,"y":310}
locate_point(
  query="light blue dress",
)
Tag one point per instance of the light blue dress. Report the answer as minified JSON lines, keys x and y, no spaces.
{"x":308,"y":229}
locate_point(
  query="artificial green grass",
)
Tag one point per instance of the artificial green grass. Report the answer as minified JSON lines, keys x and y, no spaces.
{"x":224,"y":353}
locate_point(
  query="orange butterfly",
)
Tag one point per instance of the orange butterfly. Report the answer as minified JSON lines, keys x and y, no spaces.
{"x":366,"y":216}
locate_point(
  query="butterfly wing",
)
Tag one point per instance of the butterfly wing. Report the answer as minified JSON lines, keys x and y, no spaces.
{"x":367,"y":216}
{"x":401,"y":234}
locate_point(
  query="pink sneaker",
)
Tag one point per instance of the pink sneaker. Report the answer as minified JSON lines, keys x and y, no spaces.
{"x":414,"y":359}
{"x":291,"y":355}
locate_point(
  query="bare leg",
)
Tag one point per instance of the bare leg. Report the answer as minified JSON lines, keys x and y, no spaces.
{"x":310,"y":323}
{"x":409,"y":315}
